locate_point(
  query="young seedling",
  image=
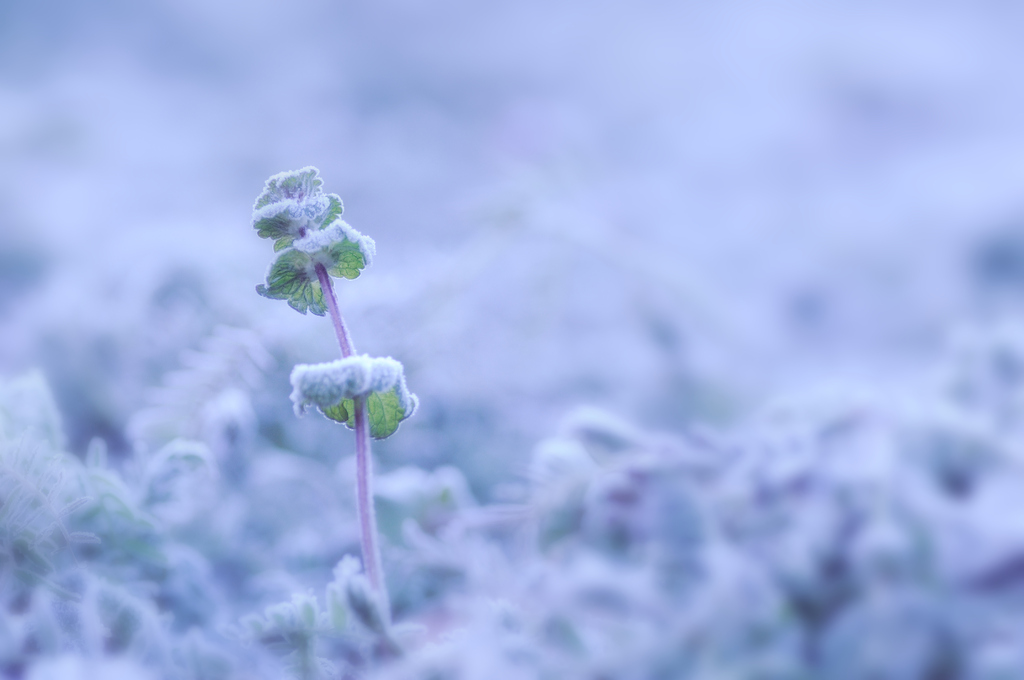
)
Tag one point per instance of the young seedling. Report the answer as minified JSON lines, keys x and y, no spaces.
{"x":366,"y":394}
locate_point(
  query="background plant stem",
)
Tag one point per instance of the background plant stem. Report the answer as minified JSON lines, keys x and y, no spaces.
{"x":364,"y":462}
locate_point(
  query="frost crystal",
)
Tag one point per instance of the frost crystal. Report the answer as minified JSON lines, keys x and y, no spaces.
{"x":294,"y":184}
{"x":338,"y":232}
{"x":292,"y":206}
{"x":332,"y":386}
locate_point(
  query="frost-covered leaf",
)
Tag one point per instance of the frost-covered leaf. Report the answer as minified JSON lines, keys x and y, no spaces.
{"x":293,"y":185}
{"x":333,"y":211}
{"x":292,"y":278}
{"x":294,"y":212}
{"x":340,"y":249}
{"x":340,"y":412}
{"x":276,"y":222}
{"x":292,"y":206}
{"x":343,"y":250}
{"x":384,"y":411}
{"x":288,"y":220}
{"x":333,"y":387}
{"x":348,"y":260}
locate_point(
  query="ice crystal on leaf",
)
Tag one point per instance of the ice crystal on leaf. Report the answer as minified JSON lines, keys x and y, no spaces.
{"x":294,"y":185}
{"x":293,"y":210}
{"x":333,"y":386}
{"x":339,"y":232}
{"x":292,"y":204}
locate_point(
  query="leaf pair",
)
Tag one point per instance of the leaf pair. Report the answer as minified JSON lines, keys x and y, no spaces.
{"x":304,"y":222}
{"x":333,"y":387}
{"x":292,"y":276}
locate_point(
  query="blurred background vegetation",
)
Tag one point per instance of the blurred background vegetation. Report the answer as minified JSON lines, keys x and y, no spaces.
{"x":631,"y":206}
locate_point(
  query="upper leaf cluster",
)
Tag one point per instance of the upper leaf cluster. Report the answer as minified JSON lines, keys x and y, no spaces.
{"x":306,"y":224}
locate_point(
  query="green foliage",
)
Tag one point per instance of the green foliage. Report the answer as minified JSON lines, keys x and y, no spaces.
{"x":34,"y":498}
{"x":296,"y":185}
{"x":305,"y":223}
{"x":334,"y":386}
{"x":84,"y":567}
{"x":345,"y":259}
{"x":384,"y":412}
{"x":291,"y":205}
{"x":296,"y":629}
{"x":292,"y":277}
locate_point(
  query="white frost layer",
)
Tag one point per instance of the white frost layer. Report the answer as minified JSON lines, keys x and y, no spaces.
{"x":337,"y":231}
{"x":275,"y":209}
{"x":303,"y":214}
{"x":274,"y":189}
{"x":325,"y":385}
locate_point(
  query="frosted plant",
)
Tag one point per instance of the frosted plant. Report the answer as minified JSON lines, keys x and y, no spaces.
{"x":367,"y":394}
{"x":352,"y":614}
{"x":34,"y":500}
{"x":334,"y":386}
{"x":227,"y":366}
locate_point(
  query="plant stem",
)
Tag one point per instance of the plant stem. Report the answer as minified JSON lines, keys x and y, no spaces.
{"x":364,"y":461}
{"x":340,"y":329}
{"x":364,"y":494}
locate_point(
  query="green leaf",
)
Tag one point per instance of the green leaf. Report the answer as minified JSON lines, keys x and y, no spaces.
{"x":333,"y":387}
{"x":294,"y":184}
{"x":334,"y":210}
{"x":342,"y":250}
{"x":292,"y":206}
{"x":292,"y":278}
{"x":340,"y":412}
{"x":347,"y":258}
{"x":276,"y":225}
{"x":289,"y":220}
{"x":384,"y":412}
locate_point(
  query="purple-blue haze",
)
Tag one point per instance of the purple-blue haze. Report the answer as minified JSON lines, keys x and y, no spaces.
{"x":716,"y":307}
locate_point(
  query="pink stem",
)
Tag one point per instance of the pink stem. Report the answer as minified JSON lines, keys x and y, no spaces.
{"x":340,"y":329}
{"x":364,"y":461}
{"x":364,"y":494}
